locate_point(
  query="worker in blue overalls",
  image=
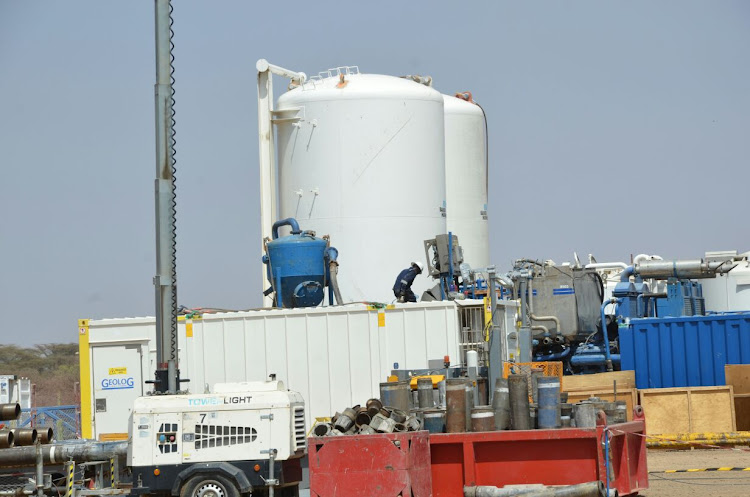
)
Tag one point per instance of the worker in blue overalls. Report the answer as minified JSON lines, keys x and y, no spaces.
{"x":402,"y":287}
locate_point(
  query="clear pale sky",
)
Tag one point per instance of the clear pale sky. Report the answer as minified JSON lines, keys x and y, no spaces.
{"x":615,"y":128}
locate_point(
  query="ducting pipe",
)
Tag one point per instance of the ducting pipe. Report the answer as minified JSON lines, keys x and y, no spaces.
{"x":541,"y":318}
{"x":9,"y":412}
{"x":59,"y":453}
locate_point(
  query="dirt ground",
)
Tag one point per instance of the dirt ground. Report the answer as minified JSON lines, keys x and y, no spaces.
{"x":719,"y":483}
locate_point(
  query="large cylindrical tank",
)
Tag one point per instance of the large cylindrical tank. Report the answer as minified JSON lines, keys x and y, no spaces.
{"x":466,"y":178}
{"x":296,"y":266}
{"x":361,"y":158}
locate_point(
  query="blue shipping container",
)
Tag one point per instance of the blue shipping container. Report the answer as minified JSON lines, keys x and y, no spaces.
{"x":688,"y":351}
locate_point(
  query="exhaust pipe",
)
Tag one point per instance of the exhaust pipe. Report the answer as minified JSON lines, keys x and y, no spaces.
{"x":9,"y":412}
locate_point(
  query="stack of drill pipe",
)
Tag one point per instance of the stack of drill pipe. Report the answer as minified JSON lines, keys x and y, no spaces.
{"x":371,"y":418}
{"x":518,"y":390}
{"x":501,"y":404}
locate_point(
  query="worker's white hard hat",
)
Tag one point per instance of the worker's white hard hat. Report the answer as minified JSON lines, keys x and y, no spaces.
{"x":419,"y":265}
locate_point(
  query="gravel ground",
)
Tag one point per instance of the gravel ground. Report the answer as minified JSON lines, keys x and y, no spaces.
{"x":724,"y":484}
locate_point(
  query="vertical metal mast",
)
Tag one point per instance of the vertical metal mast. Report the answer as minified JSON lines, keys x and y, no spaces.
{"x":165,"y":281}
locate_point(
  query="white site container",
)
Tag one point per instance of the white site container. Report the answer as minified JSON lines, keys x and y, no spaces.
{"x":730,"y":291}
{"x":466,"y":178}
{"x":335,"y":357}
{"x":363,"y":160}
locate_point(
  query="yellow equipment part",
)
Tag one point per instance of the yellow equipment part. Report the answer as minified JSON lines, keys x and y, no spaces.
{"x":436,"y":378}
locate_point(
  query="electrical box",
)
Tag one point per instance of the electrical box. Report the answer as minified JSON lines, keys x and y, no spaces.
{"x":439,"y":251}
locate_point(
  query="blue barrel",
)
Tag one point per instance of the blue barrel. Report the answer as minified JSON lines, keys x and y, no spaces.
{"x":296,"y":266}
{"x":434,"y":420}
{"x":548,"y":413}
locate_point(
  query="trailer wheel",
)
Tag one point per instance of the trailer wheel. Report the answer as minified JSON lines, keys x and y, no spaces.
{"x":209,"y":486}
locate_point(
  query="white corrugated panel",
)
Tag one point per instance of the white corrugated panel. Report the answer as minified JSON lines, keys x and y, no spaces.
{"x":335,"y":357}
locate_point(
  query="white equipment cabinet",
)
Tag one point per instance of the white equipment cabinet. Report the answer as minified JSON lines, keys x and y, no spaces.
{"x":335,"y":357}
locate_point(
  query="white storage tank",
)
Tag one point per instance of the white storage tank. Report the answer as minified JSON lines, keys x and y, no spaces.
{"x":360,"y":158}
{"x":466,"y":178}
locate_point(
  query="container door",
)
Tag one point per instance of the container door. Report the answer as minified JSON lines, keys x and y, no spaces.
{"x":117,"y":381}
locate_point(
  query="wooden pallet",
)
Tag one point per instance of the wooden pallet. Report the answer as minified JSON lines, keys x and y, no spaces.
{"x":738,"y":375}
{"x":688,"y":410}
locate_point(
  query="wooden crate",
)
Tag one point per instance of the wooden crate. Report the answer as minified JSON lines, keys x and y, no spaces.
{"x":738,"y":376}
{"x":688,"y":410}
{"x":624,"y":379}
{"x":629,"y":395}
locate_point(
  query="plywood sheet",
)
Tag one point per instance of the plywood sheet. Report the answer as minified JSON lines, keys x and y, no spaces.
{"x":710,"y":411}
{"x":665,"y":412}
{"x":738,"y":375}
{"x":629,"y":395}
{"x":579,"y":382}
{"x":688,"y":410}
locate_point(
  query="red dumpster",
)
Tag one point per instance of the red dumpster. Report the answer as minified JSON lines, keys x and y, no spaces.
{"x":552,"y":457}
{"x":387,"y":465}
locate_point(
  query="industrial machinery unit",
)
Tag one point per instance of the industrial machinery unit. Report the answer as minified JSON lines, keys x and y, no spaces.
{"x":300,"y":266}
{"x":566,"y":306}
{"x":242,"y":437}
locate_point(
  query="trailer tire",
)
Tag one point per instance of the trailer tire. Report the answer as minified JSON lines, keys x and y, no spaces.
{"x":209,"y":486}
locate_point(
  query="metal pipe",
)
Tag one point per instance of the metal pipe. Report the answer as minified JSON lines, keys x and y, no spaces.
{"x":333,"y":269}
{"x":24,"y":436}
{"x":497,"y":352}
{"x":45,"y":435}
{"x":606,"y":265}
{"x":455,"y":416}
{"x":60,"y":452}
{"x":590,"y":489}
{"x":165,"y":281}
{"x":290,"y":221}
{"x":9,"y":412}
{"x":297,"y":77}
{"x":692,"y":269}
{"x":501,"y":404}
{"x":557,"y":356}
{"x":558,"y":328}
{"x":520,"y":416}
{"x":605,"y":333}
{"x":39,"y":470}
{"x":425,"y":398}
{"x":6,"y":439}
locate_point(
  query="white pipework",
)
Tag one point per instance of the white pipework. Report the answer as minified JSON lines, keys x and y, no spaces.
{"x":606,"y":265}
{"x":268,"y":182}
